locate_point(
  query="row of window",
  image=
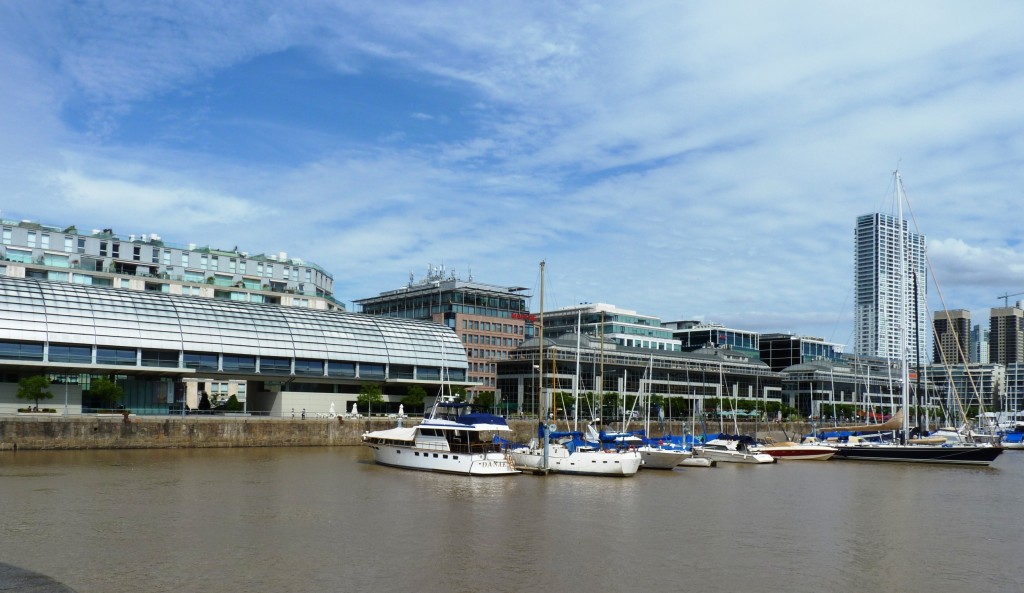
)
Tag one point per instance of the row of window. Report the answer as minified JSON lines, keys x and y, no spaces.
{"x":488,"y":326}
{"x":67,"y":353}
{"x":491,"y":340}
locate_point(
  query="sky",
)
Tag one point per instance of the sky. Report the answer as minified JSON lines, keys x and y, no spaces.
{"x":688,"y":160}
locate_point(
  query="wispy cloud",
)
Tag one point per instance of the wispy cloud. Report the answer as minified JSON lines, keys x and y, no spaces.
{"x":685,"y":160}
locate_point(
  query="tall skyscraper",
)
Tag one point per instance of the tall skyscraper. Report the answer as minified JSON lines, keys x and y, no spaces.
{"x":952,"y":337}
{"x":1006,"y":335}
{"x":979,"y":344}
{"x":879,"y":274}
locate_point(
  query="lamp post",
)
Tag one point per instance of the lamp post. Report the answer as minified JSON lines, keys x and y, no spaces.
{"x":65,"y":396}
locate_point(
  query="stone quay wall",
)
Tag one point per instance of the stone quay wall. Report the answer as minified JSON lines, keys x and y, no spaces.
{"x":43,"y":432}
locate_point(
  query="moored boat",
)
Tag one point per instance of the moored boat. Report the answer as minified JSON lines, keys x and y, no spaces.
{"x":807,"y":451}
{"x":454,"y":439}
{"x":959,"y":454}
{"x":727,"y":450}
{"x":568,"y":454}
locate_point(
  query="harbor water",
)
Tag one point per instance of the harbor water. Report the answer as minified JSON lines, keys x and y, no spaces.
{"x":328,"y":519}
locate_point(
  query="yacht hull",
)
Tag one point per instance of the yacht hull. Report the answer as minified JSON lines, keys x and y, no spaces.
{"x":653,"y":458}
{"x":941,"y":454}
{"x":475,"y":464}
{"x":584,"y":463}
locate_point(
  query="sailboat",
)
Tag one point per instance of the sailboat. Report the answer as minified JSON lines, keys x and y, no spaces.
{"x":567,"y":452}
{"x":860,"y":449}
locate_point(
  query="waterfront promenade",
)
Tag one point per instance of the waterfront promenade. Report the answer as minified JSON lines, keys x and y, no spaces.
{"x":40,"y":432}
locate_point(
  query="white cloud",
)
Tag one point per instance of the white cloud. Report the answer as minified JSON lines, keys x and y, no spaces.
{"x":685,"y":160}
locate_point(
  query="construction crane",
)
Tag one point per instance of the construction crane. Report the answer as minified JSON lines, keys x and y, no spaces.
{"x":1006,"y":298}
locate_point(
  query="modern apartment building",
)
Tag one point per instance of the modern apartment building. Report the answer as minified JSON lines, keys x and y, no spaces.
{"x":952,"y":335}
{"x":621,"y":326}
{"x":882,"y":315}
{"x":490,"y":320}
{"x":145,"y":262}
{"x":1006,"y":334}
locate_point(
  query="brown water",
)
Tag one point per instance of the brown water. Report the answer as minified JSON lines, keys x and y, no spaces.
{"x":327,"y":519}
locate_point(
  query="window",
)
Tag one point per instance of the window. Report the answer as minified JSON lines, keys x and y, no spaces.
{"x":309,"y":367}
{"x":160,"y":358}
{"x":136,"y":252}
{"x":116,"y":356}
{"x":31,"y":238}
{"x":81,"y":245}
{"x":116,"y":251}
{"x":19,"y":255}
{"x":200,"y":361}
{"x":371,"y":371}
{"x":69,"y":244}
{"x":7,"y":236}
{"x":240,"y":363}
{"x":341,"y":369}
{"x":428,"y":373}
{"x":167,"y":256}
{"x":103,"y":249}
{"x":21,"y":351}
{"x":276,"y":366}
{"x":184,"y":259}
{"x":401,"y":371}
{"x":73,"y":354}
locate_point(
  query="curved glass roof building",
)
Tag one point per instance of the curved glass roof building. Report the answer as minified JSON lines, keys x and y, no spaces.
{"x":56,"y":327}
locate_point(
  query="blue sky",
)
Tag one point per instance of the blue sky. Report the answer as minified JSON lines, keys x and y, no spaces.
{"x":687,"y":160}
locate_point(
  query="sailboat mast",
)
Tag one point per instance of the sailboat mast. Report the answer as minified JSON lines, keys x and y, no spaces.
{"x":904,"y":335}
{"x":576,"y":379}
{"x":541,"y":406}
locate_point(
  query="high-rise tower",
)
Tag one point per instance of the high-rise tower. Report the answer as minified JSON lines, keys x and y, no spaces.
{"x":1006,"y":334}
{"x":878,"y":276}
{"x":952,"y":337}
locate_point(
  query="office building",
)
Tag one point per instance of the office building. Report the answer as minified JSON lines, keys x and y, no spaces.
{"x":489,"y":320}
{"x":884,"y":318}
{"x":289,"y":357}
{"x":780,"y":351}
{"x":694,"y":335}
{"x":620,"y":326}
{"x":952,"y":335}
{"x":605,"y":372}
{"x":1006,"y":334}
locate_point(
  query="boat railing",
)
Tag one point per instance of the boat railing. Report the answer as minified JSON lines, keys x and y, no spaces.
{"x":476,"y":448}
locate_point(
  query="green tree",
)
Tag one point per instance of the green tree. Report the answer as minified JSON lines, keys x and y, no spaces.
{"x":484,"y":399}
{"x":369,"y":394}
{"x":233,"y":405}
{"x":106,"y":392}
{"x":414,"y":396}
{"x":35,"y":388}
